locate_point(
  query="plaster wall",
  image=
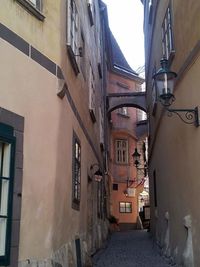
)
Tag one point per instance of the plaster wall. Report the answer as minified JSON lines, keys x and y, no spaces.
{"x":49,"y":122}
{"x":174,"y":146}
{"x":44,"y":36}
{"x":118,"y":196}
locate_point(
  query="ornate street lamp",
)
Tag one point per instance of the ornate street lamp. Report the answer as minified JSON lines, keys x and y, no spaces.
{"x":97,"y":175}
{"x":164,"y":81}
{"x":136,"y":157}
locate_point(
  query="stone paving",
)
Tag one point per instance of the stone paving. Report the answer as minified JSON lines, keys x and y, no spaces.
{"x":129,"y":249}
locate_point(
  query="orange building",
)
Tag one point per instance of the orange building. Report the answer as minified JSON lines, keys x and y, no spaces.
{"x":126,"y":181}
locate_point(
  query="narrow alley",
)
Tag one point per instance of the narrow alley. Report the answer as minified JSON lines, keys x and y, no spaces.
{"x":129,"y":249}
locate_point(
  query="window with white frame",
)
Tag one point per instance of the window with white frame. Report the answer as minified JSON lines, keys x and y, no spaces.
{"x":36,"y":3}
{"x":125,"y":207}
{"x":91,"y":11}
{"x":76,"y":173}
{"x":34,"y":7}
{"x":101,"y":127}
{"x":167,"y":35}
{"x":6,"y":185}
{"x":73,"y":34}
{"x":92,"y":99}
{"x":121,"y":151}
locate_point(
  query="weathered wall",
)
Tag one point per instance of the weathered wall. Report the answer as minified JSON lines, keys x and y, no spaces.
{"x":174,"y":146}
{"x":48,"y":222}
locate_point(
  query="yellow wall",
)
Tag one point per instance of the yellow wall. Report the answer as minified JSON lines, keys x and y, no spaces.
{"x":174,"y":146}
{"x":47,"y":220}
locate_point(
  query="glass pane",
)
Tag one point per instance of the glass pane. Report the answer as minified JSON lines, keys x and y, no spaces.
{"x":3,"y":223}
{"x":122,"y":209}
{"x":128,"y":210}
{"x":122,"y":204}
{"x":76,"y":150}
{"x":33,"y":2}
{"x":128,"y":207}
{"x":1,"y":151}
{"x":6,"y":160}
{"x":4,"y":197}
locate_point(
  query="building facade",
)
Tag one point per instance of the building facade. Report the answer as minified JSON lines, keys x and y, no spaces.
{"x":126,"y":182}
{"x":52,"y":211}
{"x":174,"y":145}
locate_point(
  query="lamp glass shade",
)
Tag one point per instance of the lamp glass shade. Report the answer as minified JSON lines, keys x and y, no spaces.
{"x":98,"y":175}
{"x":136,"y":155}
{"x":164,"y":79}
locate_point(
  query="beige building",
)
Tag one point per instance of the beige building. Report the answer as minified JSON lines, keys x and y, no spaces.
{"x":52,"y":210}
{"x":172,"y":30}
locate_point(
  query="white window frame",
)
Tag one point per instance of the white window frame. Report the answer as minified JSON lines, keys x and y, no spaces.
{"x":73,"y":30}
{"x":35,"y":7}
{"x":91,"y":11}
{"x":73,"y":34}
{"x":125,"y":208}
{"x":167,"y":35}
{"x":101,"y":127}
{"x":36,"y":3}
{"x":121,"y":151}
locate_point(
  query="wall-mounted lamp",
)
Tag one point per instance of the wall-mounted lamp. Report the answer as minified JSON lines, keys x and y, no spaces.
{"x":164,"y":81}
{"x":96,"y":172}
{"x":136,"y":158}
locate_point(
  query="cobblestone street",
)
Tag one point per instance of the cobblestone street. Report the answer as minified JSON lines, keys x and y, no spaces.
{"x":129,"y":249}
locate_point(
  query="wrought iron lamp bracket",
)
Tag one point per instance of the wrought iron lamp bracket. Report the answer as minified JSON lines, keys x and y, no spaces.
{"x":188,"y":116}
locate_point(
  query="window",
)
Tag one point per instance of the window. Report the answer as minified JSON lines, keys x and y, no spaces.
{"x":83,"y":58}
{"x":150,"y":11}
{"x":76,"y":173}
{"x":36,"y":3}
{"x":92,"y":100}
{"x":91,"y":11}
{"x":34,"y":7}
{"x":101,"y":127}
{"x":73,"y":34}
{"x":121,"y":151}
{"x":155,"y":188}
{"x":167,"y":37}
{"x":154,"y":93}
{"x":7,"y":142}
{"x":125,"y":207}
{"x":115,"y":187}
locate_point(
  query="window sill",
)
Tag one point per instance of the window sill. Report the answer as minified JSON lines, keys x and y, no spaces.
{"x":73,"y":59}
{"x":31,"y":9}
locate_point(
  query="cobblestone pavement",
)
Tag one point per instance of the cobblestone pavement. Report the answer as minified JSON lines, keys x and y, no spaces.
{"x":129,"y":249}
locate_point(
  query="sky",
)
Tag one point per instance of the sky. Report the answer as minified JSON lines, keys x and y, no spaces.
{"x":126,"y":24}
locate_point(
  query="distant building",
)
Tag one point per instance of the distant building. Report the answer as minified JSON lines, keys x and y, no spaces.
{"x":172,"y":31}
{"x":126,"y":183}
